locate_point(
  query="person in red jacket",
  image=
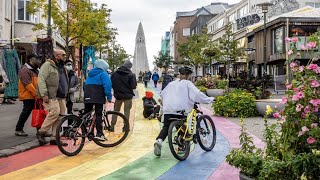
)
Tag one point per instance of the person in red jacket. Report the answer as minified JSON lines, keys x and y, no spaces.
{"x":150,"y":106}
{"x":28,"y":76}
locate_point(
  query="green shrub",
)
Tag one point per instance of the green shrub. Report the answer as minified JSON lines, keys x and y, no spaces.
{"x":221,"y":84}
{"x":236,"y":103}
{"x":202,"y":88}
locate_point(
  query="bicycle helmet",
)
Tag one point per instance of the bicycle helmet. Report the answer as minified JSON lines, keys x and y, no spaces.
{"x":185,"y":70}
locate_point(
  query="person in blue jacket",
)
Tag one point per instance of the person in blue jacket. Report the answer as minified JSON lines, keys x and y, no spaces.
{"x":155,"y":78}
{"x":97,"y":90}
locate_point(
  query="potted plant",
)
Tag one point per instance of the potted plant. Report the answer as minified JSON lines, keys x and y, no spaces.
{"x":215,"y":87}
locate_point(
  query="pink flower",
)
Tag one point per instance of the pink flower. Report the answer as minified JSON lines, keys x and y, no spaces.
{"x":289,"y":53}
{"x":276,"y":115}
{"x":314,"y":125}
{"x":295,"y":90}
{"x":315,"y":102}
{"x":315,"y":83}
{"x":317,"y":70}
{"x":284,"y":100}
{"x":303,"y":115}
{"x":307,"y":110}
{"x":316,"y":109}
{"x":300,"y":133}
{"x":303,"y":47}
{"x":299,"y":107}
{"x":311,"y":45}
{"x":313,"y":66}
{"x":294,"y":39}
{"x":301,"y":68}
{"x":293,"y":64}
{"x":300,"y":95}
{"x":304,"y":129}
{"x":289,"y":86}
{"x":295,"y":98}
{"x":288,"y":39}
{"x":311,"y":140}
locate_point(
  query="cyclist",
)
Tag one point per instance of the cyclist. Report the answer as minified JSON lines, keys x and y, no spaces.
{"x":96,"y":90}
{"x":179,"y":95}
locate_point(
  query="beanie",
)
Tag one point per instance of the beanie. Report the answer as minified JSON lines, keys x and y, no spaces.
{"x":149,"y":94}
{"x":127,"y":64}
{"x":101,"y":64}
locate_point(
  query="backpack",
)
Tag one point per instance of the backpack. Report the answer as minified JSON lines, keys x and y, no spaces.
{"x":166,"y":80}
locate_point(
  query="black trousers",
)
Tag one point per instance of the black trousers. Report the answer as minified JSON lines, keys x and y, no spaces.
{"x":164,"y":131}
{"x":155,"y":83}
{"x":148,"y":112}
{"x":98,"y":108}
{"x":28,"y":105}
{"x":145,"y":83}
{"x":69,"y":105}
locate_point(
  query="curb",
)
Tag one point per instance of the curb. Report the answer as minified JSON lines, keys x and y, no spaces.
{"x":19,"y":148}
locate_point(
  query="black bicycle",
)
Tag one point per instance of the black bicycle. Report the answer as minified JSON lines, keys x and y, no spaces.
{"x":72,"y":130}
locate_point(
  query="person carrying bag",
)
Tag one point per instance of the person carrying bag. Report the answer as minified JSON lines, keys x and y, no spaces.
{"x":38,"y":114}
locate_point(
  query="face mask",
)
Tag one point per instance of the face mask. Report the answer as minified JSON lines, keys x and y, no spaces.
{"x":69,"y":68}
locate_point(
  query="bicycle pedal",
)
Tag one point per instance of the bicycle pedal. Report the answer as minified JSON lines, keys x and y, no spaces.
{"x":194,"y":139}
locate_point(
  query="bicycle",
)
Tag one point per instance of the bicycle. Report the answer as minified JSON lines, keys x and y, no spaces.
{"x":72,"y":130}
{"x":181,"y":134}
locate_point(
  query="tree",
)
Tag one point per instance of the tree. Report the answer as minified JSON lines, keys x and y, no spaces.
{"x":80,"y":23}
{"x":163,"y":60}
{"x":116,"y":56}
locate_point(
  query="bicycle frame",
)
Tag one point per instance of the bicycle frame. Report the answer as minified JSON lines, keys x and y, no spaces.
{"x":192,"y":116}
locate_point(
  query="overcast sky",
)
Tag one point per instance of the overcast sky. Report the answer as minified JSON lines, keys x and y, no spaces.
{"x":157,"y":16}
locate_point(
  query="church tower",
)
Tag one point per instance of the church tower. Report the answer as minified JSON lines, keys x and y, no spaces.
{"x":140,"y":59}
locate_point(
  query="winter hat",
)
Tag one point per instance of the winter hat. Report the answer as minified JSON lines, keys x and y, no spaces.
{"x":149,"y":94}
{"x":101,"y":64}
{"x":127,"y":64}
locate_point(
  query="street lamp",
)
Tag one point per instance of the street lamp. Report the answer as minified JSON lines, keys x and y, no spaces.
{"x":49,"y":18}
{"x":264,"y":6}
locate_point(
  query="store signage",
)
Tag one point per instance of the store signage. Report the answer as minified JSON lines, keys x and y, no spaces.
{"x":247,"y":21}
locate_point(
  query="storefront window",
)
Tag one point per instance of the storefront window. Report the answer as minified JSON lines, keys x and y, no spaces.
{"x":278,"y":41}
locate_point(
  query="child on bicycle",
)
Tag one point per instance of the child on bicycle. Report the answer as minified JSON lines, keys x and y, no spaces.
{"x":179,"y":95}
{"x":97,"y":90}
{"x":150,"y":106}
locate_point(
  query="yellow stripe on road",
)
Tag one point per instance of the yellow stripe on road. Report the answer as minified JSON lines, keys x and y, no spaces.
{"x":94,"y":161}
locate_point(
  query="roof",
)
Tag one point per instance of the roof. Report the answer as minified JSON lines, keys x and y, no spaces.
{"x":213,"y":8}
{"x":307,"y":12}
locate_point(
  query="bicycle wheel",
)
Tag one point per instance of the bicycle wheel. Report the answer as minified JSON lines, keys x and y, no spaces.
{"x":115,"y":127}
{"x":206,"y":133}
{"x":179,"y":148}
{"x":69,"y":136}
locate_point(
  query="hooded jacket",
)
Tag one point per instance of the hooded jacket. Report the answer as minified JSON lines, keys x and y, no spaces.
{"x":123,"y":83}
{"x":28,"y":80}
{"x":148,"y":106}
{"x":97,"y":87}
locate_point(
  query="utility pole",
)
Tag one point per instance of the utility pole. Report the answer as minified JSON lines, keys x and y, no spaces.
{"x":49,"y":18}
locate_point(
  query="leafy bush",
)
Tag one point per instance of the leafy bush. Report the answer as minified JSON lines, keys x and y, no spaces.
{"x":237,"y":103}
{"x":202,"y":88}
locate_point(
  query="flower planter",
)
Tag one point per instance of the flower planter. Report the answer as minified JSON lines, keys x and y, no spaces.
{"x":273,"y":103}
{"x":244,"y":177}
{"x":215,"y":92}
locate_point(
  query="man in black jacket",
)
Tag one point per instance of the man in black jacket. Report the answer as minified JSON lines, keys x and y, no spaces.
{"x":123,"y":84}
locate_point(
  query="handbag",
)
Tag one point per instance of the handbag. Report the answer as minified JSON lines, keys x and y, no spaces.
{"x":38,"y":115}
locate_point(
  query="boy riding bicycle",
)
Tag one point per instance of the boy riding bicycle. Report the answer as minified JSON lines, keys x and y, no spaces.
{"x":179,"y":95}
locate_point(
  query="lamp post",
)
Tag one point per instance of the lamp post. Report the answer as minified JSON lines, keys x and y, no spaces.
{"x":264,"y":6}
{"x":49,"y":18}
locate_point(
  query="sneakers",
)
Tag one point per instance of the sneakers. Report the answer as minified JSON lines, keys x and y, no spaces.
{"x":157,"y":148}
{"x":21,"y":133}
{"x":54,"y":142}
{"x":41,"y":139}
{"x":151,"y":116}
{"x":100,"y":137}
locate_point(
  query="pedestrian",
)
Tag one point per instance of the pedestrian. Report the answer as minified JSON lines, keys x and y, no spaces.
{"x":179,"y":95}
{"x":28,"y":79}
{"x":155,"y":78}
{"x":73,"y":86}
{"x":167,"y":78}
{"x":97,"y":90}
{"x":140,"y":76}
{"x":53,"y":89}
{"x":146,"y":79}
{"x":150,"y":107}
{"x":123,"y":84}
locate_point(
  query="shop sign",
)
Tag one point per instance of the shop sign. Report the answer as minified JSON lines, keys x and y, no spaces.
{"x":247,"y":21}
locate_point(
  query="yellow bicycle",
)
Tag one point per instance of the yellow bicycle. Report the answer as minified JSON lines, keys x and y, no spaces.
{"x":181,"y":133}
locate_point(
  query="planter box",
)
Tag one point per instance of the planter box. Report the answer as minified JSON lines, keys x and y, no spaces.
{"x":215,"y":92}
{"x":244,"y":177}
{"x":262,"y":103}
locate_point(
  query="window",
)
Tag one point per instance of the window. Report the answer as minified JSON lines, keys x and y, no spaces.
{"x":312,"y":4}
{"x":219,"y":23}
{"x":232,"y":17}
{"x":278,"y":41}
{"x":186,"y":32}
{"x":243,"y":11}
{"x":22,"y":14}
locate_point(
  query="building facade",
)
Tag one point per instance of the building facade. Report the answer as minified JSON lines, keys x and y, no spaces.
{"x":165,"y":44}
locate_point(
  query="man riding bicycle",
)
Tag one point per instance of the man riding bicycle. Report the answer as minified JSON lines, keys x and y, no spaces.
{"x":179,"y":95}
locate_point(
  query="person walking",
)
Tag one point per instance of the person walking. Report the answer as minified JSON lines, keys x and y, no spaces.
{"x":155,"y":78}
{"x":146,"y":79}
{"x":97,"y":90}
{"x":179,"y":95}
{"x":28,"y":79}
{"x":123,"y":84}
{"x":167,"y":78}
{"x":52,"y":88}
{"x":73,"y":86}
